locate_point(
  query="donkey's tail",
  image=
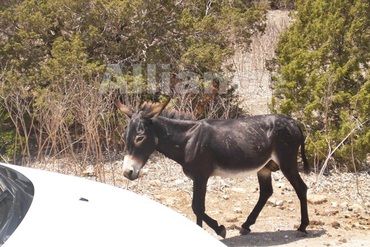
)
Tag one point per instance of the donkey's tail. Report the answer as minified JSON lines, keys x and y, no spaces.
{"x":306,"y":165}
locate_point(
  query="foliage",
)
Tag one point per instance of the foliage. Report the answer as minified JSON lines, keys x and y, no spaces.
{"x":7,"y":149}
{"x":323,"y":77}
{"x":282,"y":4}
{"x":54,"y":56}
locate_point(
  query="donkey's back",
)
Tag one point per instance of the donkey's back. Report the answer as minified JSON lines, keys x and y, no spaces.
{"x":248,"y":144}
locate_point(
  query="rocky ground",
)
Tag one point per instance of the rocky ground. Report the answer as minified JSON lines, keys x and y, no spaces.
{"x":339,"y":204}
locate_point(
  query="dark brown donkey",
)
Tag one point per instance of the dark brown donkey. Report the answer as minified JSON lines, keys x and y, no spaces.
{"x":205,"y":148}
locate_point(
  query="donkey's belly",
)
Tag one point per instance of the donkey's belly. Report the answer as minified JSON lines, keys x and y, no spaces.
{"x":228,"y":173}
{"x":240,"y":171}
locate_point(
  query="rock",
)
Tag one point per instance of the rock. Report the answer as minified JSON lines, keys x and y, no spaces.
{"x":277,"y":176}
{"x":334,"y":204}
{"x":238,"y":210}
{"x":280,"y":185}
{"x":342,"y":241}
{"x":179,"y":181}
{"x":231,"y":218}
{"x":254,"y":190}
{"x":156,"y":183}
{"x":158,"y":197}
{"x":335,"y":224}
{"x":89,"y":171}
{"x":275,"y":203}
{"x":357,"y":225}
{"x":291,"y":209}
{"x":316,"y":199}
{"x":331,"y":212}
{"x":279,"y":203}
{"x":271,"y":201}
{"x":344,"y":205}
{"x":238,"y":190}
{"x":143,"y":172}
{"x":356,"y":208}
{"x":317,"y":223}
{"x":169,"y":202}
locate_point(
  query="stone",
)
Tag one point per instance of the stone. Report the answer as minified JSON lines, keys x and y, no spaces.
{"x":238,"y":190}
{"x":279,"y":203}
{"x":231,"y":218}
{"x":335,"y":224}
{"x":155,"y":182}
{"x":280,"y":185}
{"x":356,"y":208}
{"x":89,"y":171}
{"x":238,"y":210}
{"x":342,"y":241}
{"x":271,"y":202}
{"x":316,"y":199}
{"x":143,"y":172}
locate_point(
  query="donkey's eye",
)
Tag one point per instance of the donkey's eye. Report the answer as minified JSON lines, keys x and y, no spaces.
{"x":139,"y":139}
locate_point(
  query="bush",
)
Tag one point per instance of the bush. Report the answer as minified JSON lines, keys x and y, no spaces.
{"x":323,"y":79}
{"x":54,"y":56}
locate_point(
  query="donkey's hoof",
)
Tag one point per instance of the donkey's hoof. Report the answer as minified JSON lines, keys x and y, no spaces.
{"x":222,"y":231}
{"x":244,"y":231}
{"x":302,"y":233}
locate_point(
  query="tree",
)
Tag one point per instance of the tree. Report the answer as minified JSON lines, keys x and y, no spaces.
{"x":323,"y":76}
{"x":53,"y":55}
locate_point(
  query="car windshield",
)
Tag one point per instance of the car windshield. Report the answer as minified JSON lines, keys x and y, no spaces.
{"x":16,"y":194}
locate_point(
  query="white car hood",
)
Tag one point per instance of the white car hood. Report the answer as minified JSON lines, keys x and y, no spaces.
{"x":71,"y":211}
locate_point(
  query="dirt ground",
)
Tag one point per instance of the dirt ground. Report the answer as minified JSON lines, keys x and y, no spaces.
{"x":339,"y":204}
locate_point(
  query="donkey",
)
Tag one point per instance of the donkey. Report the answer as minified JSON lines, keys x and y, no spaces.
{"x":205,"y":148}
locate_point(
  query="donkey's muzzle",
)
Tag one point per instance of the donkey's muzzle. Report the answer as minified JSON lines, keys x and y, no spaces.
{"x":129,"y":174}
{"x":131,"y":167}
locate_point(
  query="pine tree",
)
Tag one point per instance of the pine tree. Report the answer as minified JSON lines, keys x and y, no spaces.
{"x":323,"y":76}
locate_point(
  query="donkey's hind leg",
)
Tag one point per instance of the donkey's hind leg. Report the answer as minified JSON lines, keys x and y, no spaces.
{"x":301,"y":189}
{"x":264,"y":179}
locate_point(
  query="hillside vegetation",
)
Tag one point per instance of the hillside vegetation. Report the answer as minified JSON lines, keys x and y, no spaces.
{"x":62,"y":62}
{"x":322,"y":78}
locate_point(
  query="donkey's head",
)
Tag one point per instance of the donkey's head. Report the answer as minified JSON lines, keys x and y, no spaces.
{"x":139,"y":137}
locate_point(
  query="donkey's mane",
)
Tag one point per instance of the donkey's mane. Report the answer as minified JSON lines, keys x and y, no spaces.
{"x":173,"y":114}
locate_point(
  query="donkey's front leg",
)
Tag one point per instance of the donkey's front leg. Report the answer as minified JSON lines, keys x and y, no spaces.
{"x":198,"y":205}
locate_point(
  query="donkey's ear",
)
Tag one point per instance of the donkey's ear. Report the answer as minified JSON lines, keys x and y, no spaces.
{"x":156,"y":110}
{"x":123,"y":108}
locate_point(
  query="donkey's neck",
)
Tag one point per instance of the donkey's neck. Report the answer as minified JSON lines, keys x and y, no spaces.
{"x":172,"y":137}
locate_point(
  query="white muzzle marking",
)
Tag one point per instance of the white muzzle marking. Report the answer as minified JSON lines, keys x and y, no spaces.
{"x":131,"y":167}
